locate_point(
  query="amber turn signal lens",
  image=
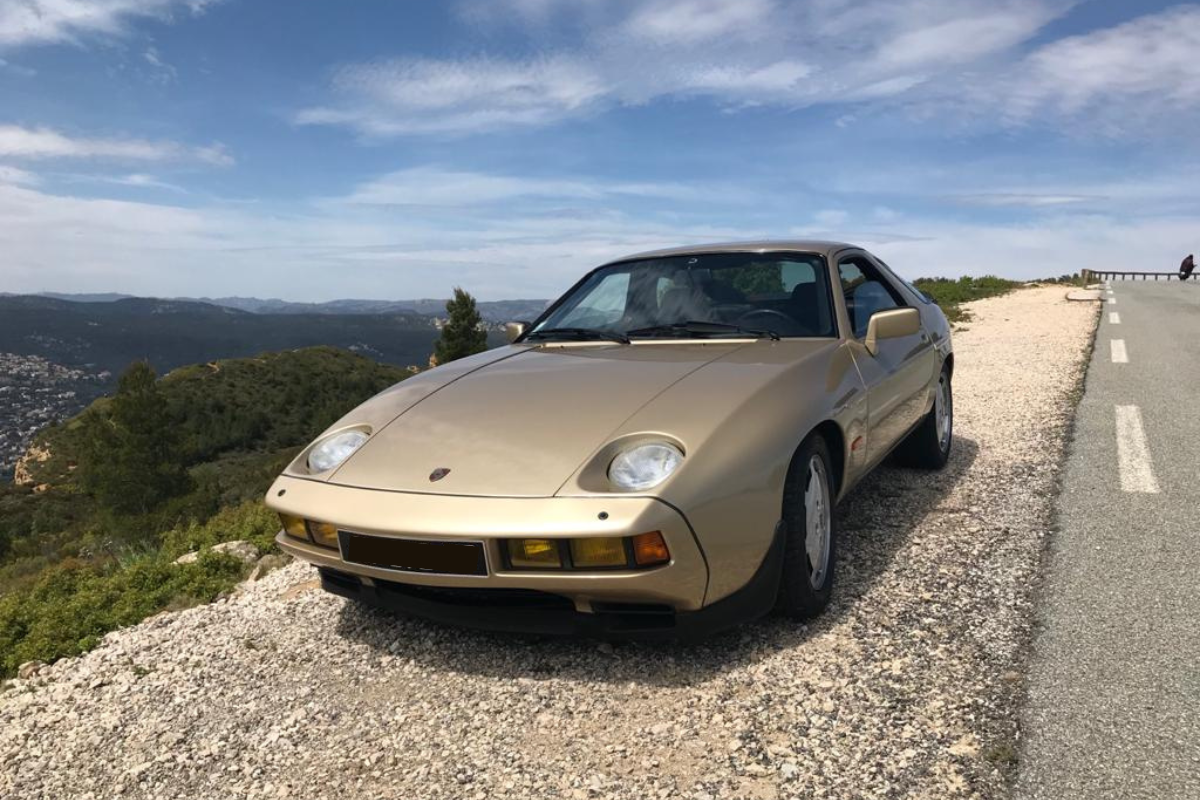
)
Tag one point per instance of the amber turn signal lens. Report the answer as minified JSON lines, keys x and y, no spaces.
{"x":294,"y":527}
{"x":536,"y":553}
{"x":650,"y":549}
{"x":323,"y":533}
{"x":608,"y":551}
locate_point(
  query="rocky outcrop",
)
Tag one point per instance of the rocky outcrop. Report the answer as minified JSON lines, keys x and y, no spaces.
{"x":241,"y":550}
{"x":268,"y":564}
{"x":22,"y":472}
{"x":29,"y":669}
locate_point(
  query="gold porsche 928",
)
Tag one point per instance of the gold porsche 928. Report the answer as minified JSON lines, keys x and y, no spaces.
{"x":659,"y":453}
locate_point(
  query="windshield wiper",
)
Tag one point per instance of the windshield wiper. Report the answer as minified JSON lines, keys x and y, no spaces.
{"x":579,"y":333}
{"x":700,"y":327}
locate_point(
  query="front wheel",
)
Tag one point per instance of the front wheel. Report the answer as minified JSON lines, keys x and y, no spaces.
{"x":928,"y":447}
{"x":810,"y":533}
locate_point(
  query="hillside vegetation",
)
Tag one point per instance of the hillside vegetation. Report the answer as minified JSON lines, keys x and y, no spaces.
{"x":157,"y":470}
{"x":950,"y":294}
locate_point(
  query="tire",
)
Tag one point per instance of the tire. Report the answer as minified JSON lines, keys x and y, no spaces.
{"x":804,"y":590}
{"x":928,"y":446}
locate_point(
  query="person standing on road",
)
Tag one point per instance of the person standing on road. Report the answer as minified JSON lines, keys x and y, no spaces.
{"x":1185,"y":269}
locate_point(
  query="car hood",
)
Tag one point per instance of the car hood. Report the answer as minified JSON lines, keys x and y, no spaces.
{"x":521,"y":425}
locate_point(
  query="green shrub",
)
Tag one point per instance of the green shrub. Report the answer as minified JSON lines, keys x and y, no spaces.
{"x":949,"y":294}
{"x":74,"y":604}
{"x":90,"y":552}
{"x":251,"y":521}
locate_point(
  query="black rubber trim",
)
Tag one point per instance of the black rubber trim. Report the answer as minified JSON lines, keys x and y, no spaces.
{"x":544,"y":613}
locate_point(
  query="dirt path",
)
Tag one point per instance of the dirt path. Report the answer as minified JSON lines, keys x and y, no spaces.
{"x":906,"y":688}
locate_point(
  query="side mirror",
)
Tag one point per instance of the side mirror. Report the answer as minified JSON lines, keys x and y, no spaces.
{"x":891,"y":324}
{"x":513,"y":330}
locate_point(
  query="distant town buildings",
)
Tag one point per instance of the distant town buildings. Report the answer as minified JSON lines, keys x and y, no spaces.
{"x":34,"y":393}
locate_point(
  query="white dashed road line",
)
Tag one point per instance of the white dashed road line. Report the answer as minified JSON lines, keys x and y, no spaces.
{"x":1112,"y":301}
{"x":1119,"y":354}
{"x":1133,"y":454}
{"x":1114,"y":318}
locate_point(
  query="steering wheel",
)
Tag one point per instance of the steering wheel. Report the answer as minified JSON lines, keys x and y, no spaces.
{"x":767,"y":314}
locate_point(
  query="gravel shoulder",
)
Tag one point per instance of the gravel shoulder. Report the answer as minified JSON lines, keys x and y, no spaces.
{"x":908,"y":687}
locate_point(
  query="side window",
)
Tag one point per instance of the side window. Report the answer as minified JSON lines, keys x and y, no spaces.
{"x":866,"y":292}
{"x":795,"y":273}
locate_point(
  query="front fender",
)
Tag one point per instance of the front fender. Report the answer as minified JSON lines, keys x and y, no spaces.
{"x":740,"y":420}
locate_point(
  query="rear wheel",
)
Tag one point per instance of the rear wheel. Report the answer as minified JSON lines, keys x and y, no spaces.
{"x":810,"y":533}
{"x":928,"y":447}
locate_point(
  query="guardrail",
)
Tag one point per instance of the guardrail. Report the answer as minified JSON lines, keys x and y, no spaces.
{"x":1090,"y":275}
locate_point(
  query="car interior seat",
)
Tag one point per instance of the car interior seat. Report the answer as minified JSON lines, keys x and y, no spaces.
{"x":681,"y":304}
{"x":805,"y":308}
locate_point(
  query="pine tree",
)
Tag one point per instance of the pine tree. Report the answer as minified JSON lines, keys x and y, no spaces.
{"x":132,"y":457}
{"x":463,"y":334}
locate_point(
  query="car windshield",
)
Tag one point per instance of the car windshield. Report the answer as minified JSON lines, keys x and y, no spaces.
{"x":697,"y":296}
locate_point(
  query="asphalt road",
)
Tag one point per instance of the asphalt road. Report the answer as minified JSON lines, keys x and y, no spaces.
{"x":1114,"y":699}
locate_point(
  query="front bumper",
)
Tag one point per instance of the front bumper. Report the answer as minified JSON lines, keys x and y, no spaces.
{"x":541,"y":613}
{"x":676,"y":587}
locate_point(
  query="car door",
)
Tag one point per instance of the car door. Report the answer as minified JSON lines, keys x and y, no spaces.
{"x":898,"y":375}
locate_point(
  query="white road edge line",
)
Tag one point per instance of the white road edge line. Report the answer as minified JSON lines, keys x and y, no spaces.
{"x":1114,"y":318}
{"x":1133,"y":454}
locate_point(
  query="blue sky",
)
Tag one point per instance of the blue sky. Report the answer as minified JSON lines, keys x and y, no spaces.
{"x":378,"y":149}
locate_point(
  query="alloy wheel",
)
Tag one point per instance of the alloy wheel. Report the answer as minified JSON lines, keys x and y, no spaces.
{"x":818,"y":523}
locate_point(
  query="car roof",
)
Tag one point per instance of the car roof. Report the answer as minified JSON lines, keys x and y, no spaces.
{"x":759,"y":246}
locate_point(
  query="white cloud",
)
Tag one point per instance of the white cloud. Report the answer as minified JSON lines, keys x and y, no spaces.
{"x":162,"y":72}
{"x":159,"y":249}
{"x":137,"y":180}
{"x":961,"y":64}
{"x":692,"y":22}
{"x":426,"y":96}
{"x":433,"y":186}
{"x":1025,"y":200}
{"x":26,"y":22}
{"x":12,"y":175}
{"x":735,"y":52}
{"x":500,"y":236}
{"x":1047,"y":247}
{"x":46,"y":143}
{"x":1142,"y":73}
{"x":504,"y":252}
{"x":950,"y":37}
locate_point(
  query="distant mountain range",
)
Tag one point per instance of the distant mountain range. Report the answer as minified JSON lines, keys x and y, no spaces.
{"x":494,"y":311}
{"x":108,"y":335}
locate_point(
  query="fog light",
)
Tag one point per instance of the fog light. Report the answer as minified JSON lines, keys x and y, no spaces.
{"x":536,"y":553}
{"x":294,"y":527}
{"x":599,"y":552}
{"x":650,"y":549}
{"x":324,"y":533}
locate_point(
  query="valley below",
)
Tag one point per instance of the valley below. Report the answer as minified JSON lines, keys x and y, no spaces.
{"x":58,"y":353}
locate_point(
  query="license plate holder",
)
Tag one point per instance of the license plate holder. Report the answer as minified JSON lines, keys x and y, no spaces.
{"x":421,"y":556}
